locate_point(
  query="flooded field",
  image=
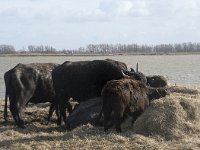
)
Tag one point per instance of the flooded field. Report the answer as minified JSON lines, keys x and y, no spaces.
{"x":181,"y":70}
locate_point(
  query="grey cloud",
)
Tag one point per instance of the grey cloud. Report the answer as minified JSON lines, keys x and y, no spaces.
{"x":79,"y":22}
{"x":124,"y":8}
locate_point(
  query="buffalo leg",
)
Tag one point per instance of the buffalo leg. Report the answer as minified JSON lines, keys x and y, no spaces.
{"x":63,"y":111}
{"x":51,"y":110}
{"x":69,"y":107}
{"x":59,"y":119}
{"x":107,"y":116}
{"x":16,"y":110}
{"x":97,"y":121}
{"x":118,"y":116}
{"x":135,"y":115}
{"x":58,"y":110}
{"x":61,"y":108}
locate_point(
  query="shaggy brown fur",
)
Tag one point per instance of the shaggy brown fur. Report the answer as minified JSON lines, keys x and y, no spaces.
{"x":121,"y":97}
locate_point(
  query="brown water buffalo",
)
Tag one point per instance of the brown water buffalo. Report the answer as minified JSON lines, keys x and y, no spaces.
{"x":121,"y":97}
{"x":126,"y":96}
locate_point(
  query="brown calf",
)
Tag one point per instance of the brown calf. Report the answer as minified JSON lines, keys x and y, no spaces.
{"x":121,"y":97}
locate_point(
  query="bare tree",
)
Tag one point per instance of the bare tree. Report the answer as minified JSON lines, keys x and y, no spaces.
{"x":7,"y":49}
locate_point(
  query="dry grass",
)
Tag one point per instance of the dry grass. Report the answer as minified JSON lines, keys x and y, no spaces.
{"x":172,"y":122}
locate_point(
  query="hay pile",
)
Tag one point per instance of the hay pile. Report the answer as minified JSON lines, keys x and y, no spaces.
{"x":172,"y":122}
{"x":170,"y":118}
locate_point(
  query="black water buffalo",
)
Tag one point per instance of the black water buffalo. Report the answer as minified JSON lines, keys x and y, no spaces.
{"x":120,"y":64}
{"x":156,"y":93}
{"x":28,"y":83}
{"x":137,"y":76}
{"x":85,"y":112}
{"x":156,"y":81}
{"x":121,"y":97}
{"x":82,"y":80}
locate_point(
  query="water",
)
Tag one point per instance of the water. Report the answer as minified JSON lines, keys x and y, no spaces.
{"x":181,"y":70}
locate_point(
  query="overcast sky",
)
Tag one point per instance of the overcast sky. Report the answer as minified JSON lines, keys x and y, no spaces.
{"x":73,"y":23}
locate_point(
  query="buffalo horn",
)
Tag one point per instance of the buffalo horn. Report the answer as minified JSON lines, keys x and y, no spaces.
{"x":125,"y":76}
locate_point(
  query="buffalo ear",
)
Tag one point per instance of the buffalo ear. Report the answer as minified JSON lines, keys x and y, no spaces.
{"x":132,"y":70}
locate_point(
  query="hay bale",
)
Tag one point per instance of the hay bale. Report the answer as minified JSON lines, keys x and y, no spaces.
{"x":184,"y":90}
{"x":170,"y":118}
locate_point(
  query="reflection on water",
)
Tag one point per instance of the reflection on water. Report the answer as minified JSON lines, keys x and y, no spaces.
{"x":178,"y":69}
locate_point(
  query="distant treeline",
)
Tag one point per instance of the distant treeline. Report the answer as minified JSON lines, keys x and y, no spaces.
{"x":107,"y":48}
{"x":9,"y":49}
{"x":135,"y":48}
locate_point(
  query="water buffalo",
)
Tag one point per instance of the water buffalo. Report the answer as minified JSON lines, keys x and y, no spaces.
{"x":85,"y":112}
{"x":120,"y":64}
{"x":126,"y":97}
{"x":121,"y":97}
{"x":82,"y":80}
{"x":156,"y":93}
{"x":156,"y":81}
{"x":28,"y":83}
{"x":90,"y":111}
{"x":137,"y":76}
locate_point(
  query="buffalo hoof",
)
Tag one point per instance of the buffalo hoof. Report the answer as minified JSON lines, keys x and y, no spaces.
{"x":67,"y":126}
{"x":98,"y":123}
{"x":118,"y":130}
{"x":20,"y":124}
{"x":105,"y":129}
{"x":59,"y":122}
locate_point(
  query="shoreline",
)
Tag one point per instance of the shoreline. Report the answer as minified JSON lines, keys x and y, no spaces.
{"x":194,"y":87}
{"x":88,"y":54}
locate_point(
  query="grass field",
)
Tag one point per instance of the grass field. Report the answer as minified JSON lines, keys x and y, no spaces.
{"x":172,"y":122}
